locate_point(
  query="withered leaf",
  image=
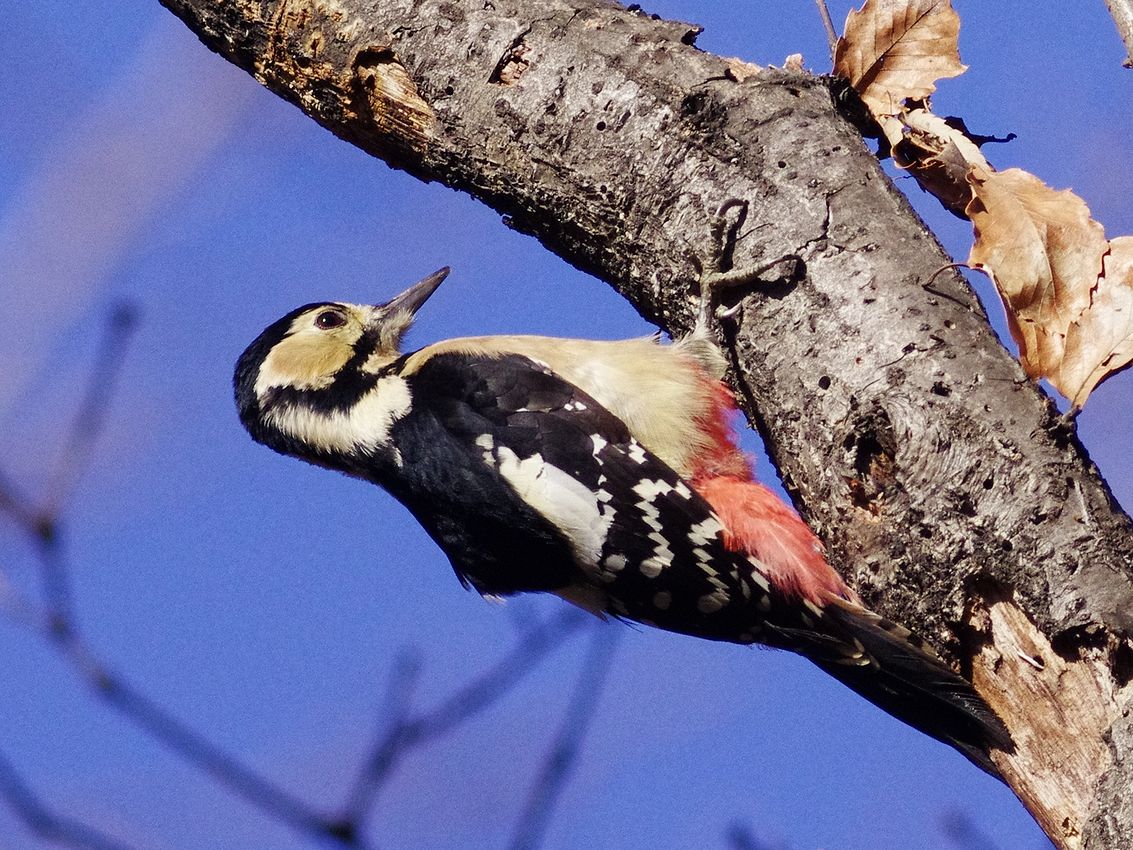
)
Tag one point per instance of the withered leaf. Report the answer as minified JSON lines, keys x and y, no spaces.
{"x":939,"y":156}
{"x":1045,"y":254}
{"x":1101,"y":342}
{"x":893,"y":50}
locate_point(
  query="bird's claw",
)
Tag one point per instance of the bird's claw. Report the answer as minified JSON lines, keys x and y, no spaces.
{"x":717,"y":272}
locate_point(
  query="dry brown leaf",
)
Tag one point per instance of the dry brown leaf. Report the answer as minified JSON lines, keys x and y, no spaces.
{"x":1101,"y":341}
{"x":933,"y":135}
{"x":893,"y":50}
{"x":939,"y":156}
{"x":944,"y":174}
{"x":1044,"y":252}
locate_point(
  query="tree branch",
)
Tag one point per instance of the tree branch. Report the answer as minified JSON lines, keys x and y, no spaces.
{"x":536,"y":816}
{"x":1122,"y":13}
{"x":41,"y":820}
{"x":405,"y":732}
{"x":939,"y":477}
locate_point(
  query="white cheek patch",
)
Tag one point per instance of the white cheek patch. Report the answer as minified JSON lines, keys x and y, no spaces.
{"x":562,"y":500}
{"x":366,"y":425}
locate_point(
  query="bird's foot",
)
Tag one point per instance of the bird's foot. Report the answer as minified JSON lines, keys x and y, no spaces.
{"x":718,"y":274}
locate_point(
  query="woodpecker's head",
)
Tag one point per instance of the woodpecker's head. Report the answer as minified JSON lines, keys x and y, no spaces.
{"x":302,"y":385}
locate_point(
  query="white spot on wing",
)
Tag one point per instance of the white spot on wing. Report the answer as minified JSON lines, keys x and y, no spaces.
{"x":705,"y":531}
{"x":561,"y":499}
{"x":485,"y":442}
{"x":614,"y":563}
{"x":711,"y":603}
{"x":650,"y":515}
{"x":758,"y":577}
{"x":636,"y":452}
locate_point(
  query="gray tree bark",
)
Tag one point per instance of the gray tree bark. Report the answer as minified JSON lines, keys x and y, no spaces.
{"x":940,"y":478}
{"x":1122,"y":13}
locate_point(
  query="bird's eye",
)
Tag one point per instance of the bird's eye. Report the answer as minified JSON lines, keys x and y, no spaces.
{"x":330,"y":319}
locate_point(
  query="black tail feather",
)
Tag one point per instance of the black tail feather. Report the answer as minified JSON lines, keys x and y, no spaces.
{"x":900,"y":674}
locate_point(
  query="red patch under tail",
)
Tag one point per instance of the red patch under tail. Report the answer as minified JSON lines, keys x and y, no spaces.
{"x":756,"y":521}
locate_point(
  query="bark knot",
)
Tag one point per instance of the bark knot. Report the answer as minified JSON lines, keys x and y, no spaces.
{"x":871,"y":452}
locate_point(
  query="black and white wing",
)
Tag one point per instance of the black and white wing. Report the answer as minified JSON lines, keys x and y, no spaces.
{"x":565,"y":485}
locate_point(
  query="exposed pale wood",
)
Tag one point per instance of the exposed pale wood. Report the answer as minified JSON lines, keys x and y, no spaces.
{"x":1069,"y":706}
{"x":1122,"y":13}
{"x":940,"y":478}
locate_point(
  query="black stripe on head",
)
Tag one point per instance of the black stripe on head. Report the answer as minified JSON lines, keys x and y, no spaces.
{"x":349,"y":384}
{"x":248,"y":364}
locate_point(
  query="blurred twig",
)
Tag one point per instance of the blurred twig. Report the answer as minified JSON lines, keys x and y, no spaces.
{"x":405,"y":733}
{"x":35,"y":814}
{"x":91,"y":415}
{"x":741,"y":837}
{"x":13,"y":505}
{"x":57,"y":622}
{"x":962,"y":832}
{"x":568,"y":742}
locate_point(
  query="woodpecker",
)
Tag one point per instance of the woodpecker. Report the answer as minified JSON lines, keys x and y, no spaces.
{"x":604,"y":472}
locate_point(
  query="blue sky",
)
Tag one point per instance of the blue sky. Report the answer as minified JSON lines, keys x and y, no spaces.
{"x":265,"y":602}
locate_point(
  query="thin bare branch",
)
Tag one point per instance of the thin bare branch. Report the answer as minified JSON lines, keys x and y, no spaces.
{"x":30,"y":808}
{"x":740,"y":836}
{"x":55,"y":619}
{"x":17,"y":507}
{"x":221,"y":766}
{"x":57,"y":622}
{"x":405,"y":734}
{"x":55,"y":579}
{"x":59,"y":627}
{"x":828,"y":25}
{"x":962,"y":832}
{"x":536,"y":815}
{"x":92,"y":412}
{"x":387,"y":749}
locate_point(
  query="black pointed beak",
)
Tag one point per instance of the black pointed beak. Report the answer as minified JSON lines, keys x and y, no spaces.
{"x":410,"y":300}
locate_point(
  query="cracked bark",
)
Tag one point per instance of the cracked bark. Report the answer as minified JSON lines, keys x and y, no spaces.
{"x":911,"y":441}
